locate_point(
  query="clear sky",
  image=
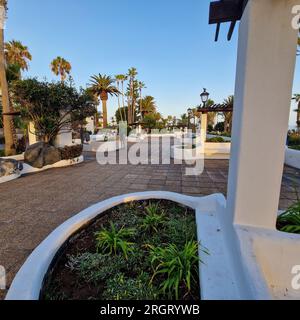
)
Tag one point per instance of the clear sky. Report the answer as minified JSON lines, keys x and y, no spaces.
{"x":168,"y":41}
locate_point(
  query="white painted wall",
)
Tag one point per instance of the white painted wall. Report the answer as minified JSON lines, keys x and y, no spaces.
{"x":292,"y":158}
{"x":31,"y":136}
{"x":265,"y":69}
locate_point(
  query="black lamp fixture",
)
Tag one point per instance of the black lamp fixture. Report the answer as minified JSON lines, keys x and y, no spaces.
{"x":204,"y":96}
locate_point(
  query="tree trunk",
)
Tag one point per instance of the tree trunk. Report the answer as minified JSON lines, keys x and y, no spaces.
{"x":119,"y":105}
{"x":7,"y":120}
{"x":298,"y":117}
{"x":104,"y":108}
{"x":123,"y":102}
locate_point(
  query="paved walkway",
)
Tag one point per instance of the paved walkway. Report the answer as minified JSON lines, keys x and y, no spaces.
{"x":32,"y":206}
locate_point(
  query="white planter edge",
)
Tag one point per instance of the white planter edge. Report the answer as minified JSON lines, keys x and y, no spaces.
{"x":29,"y":280}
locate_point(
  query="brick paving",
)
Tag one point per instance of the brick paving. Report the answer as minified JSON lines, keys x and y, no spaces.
{"x":32,"y":206}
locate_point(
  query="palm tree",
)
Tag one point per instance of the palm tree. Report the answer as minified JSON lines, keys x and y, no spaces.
{"x":132,"y":73}
{"x":297,"y":99}
{"x":17,"y":54}
{"x":211,"y":116}
{"x":61,"y":67}
{"x":228,"y":102}
{"x":141,"y":86}
{"x":10,"y":148}
{"x":120,"y":79}
{"x":148,"y":105}
{"x":102,"y":86}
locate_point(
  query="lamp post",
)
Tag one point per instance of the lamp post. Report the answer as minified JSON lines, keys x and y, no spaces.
{"x":204,"y":97}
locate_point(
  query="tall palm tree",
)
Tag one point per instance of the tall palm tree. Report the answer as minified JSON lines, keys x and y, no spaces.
{"x":17,"y":54}
{"x":120,"y":79}
{"x":228,"y":102}
{"x":132,"y":73}
{"x":297,"y":99}
{"x":141,"y":86}
{"x":10,"y":148}
{"x":61,"y":67}
{"x":102,"y":86}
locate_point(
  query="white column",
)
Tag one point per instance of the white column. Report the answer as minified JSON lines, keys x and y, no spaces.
{"x":31,"y":134}
{"x":203,"y":128}
{"x":265,"y":68}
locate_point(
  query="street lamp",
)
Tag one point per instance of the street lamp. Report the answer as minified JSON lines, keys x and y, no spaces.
{"x":204,"y":97}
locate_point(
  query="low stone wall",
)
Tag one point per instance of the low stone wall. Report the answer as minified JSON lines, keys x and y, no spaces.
{"x":292,"y":158}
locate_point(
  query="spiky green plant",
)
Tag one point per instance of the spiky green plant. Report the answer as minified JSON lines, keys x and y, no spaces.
{"x":115,"y":240}
{"x":289,"y":221}
{"x":178,"y":267}
{"x":154,"y":219}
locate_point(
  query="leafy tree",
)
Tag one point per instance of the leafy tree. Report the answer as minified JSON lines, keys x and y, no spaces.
{"x":150,"y":120}
{"x":50,"y":106}
{"x":61,"y":67}
{"x":102,"y":86}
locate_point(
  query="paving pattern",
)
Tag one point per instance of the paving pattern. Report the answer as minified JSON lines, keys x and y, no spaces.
{"x":32,"y":206}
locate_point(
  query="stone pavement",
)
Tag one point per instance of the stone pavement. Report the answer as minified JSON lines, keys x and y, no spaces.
{"x":32,"y":206}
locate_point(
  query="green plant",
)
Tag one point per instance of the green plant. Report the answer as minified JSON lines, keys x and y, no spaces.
{"x":296,"y":147}
{"x":181,"y":230}
{"x":216,"y":139}
{"x":289,"y":221}
{"x":153,"y":220}
{"x":178,"y":267}
{"x":115,"y":240}
{"x":294,"y":139}
{"x":94,"y":267}
{"x":122,"y":288}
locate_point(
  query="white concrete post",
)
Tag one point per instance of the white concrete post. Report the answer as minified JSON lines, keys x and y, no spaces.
{"x":265,"y":68}
{"x":203,"y":128}
{"x":31,"y":134}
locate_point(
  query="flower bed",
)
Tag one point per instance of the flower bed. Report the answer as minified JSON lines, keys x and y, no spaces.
{"x":126,"y":254}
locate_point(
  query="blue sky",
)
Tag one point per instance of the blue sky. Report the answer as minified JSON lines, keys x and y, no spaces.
{"x":168,"y":41}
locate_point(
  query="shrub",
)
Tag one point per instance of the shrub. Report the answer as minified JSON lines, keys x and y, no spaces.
{"x":122,"y":288}
{"x":295,"y":147}
{"x":114,"y":240}
{"x":294,"y":139}
{"x":2,"y":153}
{"x":154,"y":219}
{"x":177,"y":266}
{"x":289,"y":221}
{"x":216,"y":139}
{"x":181,"y":230}
{"x":93,"y":267}
{"x":71,"y":152}
{"x":220,"y":126}
{"x":210,"y":128}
